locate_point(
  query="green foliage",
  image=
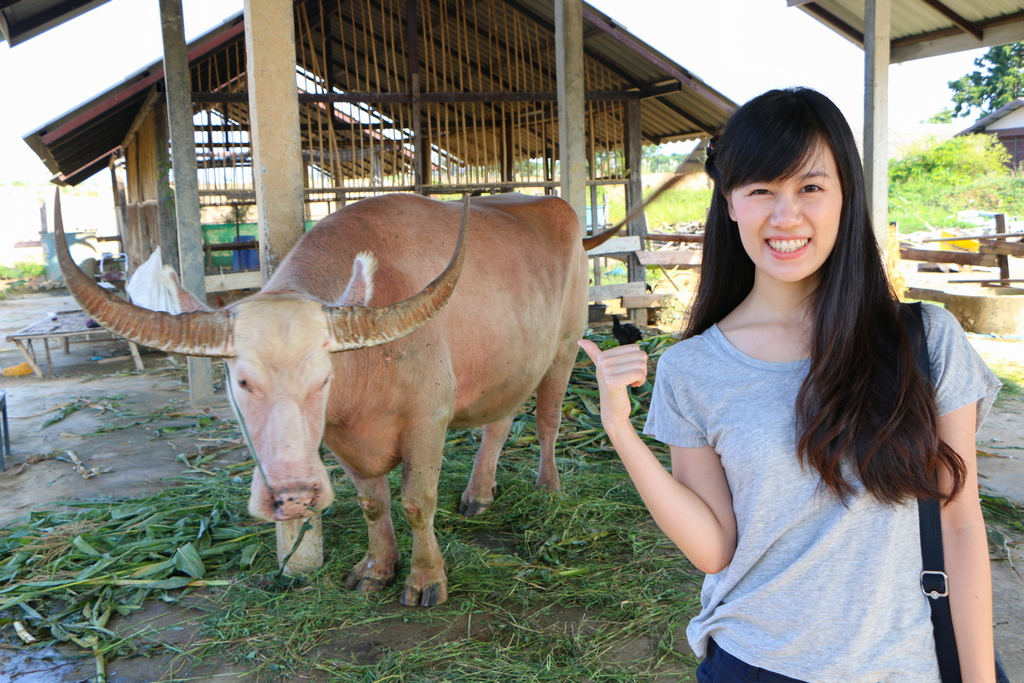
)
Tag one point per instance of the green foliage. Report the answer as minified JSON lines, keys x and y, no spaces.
{"x":23,"y":270}
{"x":956,"y":161}
{"x":1000,"y":82}
{"x":930,"y":184}
{"x":19,"y":275}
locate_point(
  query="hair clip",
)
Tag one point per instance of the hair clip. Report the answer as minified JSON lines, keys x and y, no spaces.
{"x":711,"y":144}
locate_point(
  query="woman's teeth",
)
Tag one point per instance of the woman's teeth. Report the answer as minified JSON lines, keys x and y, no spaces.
{"x":787,"y":245}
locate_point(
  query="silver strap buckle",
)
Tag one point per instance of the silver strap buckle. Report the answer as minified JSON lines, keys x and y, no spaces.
{"x":934,"y":594}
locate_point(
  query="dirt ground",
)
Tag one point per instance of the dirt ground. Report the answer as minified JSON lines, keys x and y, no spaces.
{"x":135,"y":462}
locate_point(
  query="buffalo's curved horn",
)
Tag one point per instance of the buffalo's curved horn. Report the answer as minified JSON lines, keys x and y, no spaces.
{"x":189,"y":334}
{"x":357,"y":327}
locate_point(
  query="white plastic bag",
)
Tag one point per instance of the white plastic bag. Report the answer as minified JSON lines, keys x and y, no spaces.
{"x":153,"y":286}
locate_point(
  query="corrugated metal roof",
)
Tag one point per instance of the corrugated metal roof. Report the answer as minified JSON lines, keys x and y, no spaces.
{"x":679,"y":105}
{"x":926,"y":28}
{"x":79,"y":143}
{"x":24,"y":19}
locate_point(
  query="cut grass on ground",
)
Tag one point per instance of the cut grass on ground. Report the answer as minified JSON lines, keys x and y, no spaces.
{"x":543,"y":587}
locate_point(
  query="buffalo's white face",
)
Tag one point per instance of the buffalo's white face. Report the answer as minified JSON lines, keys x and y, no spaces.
{"x":280,"y":381}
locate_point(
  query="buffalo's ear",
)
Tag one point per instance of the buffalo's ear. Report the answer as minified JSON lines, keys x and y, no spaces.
{"x":186,"y":299}
{"x":360,"y":285}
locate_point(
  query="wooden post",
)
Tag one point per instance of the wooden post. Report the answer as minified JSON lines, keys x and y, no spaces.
{"x":507,"y":156}
{"x":164,"y":197}
{"x":120,"y":205}
{"x":571,"y":107}
{"x":186,"y":181}
{"x":876,"y":114}
{"x":1003,"y":259}
{"x":278,"y":177}
{"x":421,"y":170}
{"x":634,"y":152}
{"x":549,"y":165}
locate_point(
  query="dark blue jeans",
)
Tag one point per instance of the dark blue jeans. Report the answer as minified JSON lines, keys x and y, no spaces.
{"x":721,"y":667}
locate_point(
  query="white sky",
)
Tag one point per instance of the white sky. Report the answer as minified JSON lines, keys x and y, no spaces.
{"x":739,"y":47}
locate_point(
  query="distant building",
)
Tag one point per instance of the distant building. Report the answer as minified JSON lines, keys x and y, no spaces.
{"x":1007,"y":123}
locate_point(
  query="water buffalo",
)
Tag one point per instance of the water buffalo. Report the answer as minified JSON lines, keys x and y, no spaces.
{"x":508,"y":329}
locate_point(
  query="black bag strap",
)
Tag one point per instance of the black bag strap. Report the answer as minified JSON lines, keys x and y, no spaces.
{"x":934,"y":582}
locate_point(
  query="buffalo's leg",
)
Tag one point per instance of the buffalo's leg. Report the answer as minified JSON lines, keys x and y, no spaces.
{"x":479,"y":493}
{"x":426,"y":584}
{"x":378,"y":567}
{"x":550,"y":393}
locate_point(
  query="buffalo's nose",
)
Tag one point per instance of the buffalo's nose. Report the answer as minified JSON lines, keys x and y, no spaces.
{"x":294,"y":503}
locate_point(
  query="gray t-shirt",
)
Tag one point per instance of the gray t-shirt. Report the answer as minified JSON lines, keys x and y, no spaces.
{"x":816,"y":590}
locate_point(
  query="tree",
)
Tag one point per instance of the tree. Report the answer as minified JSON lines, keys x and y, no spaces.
{"x":952,"y":163}
{"x":944,"y":116}
{"x":1001,"y":82}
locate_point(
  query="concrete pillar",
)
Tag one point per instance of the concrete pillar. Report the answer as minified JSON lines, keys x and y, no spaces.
{"x":876,"y":113}
{"x":274,"y":128}
{"x":278,"y":178}
{"x":310,"y":553}
{"x":186,"y":181}
{"x":572,"y":147}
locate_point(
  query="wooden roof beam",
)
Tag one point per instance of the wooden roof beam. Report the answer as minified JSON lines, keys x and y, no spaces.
{"x":436,"y":97}
{"x":957,"y":20}
{"x":835,"y":23}
{"x":997,"y":31}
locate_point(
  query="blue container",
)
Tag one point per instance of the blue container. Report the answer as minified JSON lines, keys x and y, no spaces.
{"x":245,"y":259}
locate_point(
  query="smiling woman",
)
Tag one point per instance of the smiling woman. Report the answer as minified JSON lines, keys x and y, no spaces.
{"x":801,"y":428}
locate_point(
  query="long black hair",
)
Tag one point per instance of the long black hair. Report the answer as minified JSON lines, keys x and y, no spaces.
{"x":864,"y":404}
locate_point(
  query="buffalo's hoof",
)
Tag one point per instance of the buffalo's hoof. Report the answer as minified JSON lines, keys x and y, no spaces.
{"x":549,"y":484}
{"x":361,"y":581}
{"x":433,"y":594}
{"x":474,"y":507}
{"x":470,"y":506}
{"x":365,"y":584}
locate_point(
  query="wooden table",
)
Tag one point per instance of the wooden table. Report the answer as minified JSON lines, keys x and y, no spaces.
{"x":68,"y":326}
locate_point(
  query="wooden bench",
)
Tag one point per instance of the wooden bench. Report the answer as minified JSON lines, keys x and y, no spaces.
{"x":69,"y":327}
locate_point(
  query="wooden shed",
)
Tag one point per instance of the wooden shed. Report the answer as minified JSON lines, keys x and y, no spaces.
{"x":437,"y":97}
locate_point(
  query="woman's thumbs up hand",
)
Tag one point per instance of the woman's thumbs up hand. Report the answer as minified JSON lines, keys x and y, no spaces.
{"x":617,"y":368}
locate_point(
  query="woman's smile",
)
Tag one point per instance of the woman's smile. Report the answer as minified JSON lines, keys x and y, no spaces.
{"x":788,"y":248}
